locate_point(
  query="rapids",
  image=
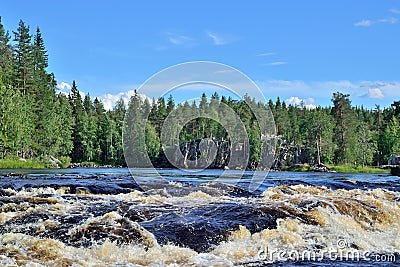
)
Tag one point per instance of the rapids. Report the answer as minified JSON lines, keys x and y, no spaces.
{"x":102,"y":217}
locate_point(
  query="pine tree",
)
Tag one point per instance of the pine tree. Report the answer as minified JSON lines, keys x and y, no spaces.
{"x":12,"y":132}
{"x":345,"y":126}
{"x":203,"y":106}
{"x":88,"y":105}
{"x":23,"y":69}
{"x":320,"y":136}
{"x":65,"y":127}
{"x":6,"y":56}
{"x":43,"y":100}
{"x":170,"y":104}
{"x":133,"y":134}
{"x":366,"y":144}
{"x":161,"y":114}
{"x":117,"y":116}
{"x":90,"y":142}
{"x":103,"y":132}
{"x":75,"y":99}
{"x":390,"y":139}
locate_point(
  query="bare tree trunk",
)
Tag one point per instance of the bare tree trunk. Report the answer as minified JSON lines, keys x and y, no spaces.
{"x":318,"y":152}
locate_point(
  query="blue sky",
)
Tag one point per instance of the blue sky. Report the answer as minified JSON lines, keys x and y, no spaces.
{"x":293,"y":49}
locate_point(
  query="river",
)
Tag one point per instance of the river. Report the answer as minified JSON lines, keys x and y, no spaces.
{"x":103,"y":217}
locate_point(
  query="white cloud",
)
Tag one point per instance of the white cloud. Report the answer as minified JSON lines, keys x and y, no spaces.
{"x":109,"y":100}
{"x":65,"y":89}
{"x":381,"y":89}
{"x":294,"y":91}
{"x":395,"y":11}
{"x":375,"y":93}
{"x":363,"y":23}
{"x":217,"y":39}
{"x":277,"y":63}
{"x":64,"y":86}
{"x":298,"y":102}
{"x":322,"y":91}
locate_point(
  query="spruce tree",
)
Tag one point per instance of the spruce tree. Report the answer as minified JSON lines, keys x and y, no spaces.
{"x":6,"y":56}
{"x":75,"y":100}
{"x":23,"y":58}
{"x":345,"y":126}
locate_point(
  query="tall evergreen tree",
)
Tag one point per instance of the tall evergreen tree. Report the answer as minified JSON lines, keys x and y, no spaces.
{"x":75,"y":100}
{"x":6,"y":55}
{"x":12,"y":130}
{"x":23,"y":58}
{"x":345,"y":126}
{"x":44,"y":99}
{"x":170,"y":104}
{"x":65,"y":127}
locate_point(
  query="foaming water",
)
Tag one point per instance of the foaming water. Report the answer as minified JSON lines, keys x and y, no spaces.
{"x":101,"y":217}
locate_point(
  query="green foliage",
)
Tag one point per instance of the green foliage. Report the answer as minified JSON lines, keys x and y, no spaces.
{"x":345,"y":129}
{"x":36,"y":123}
{"x":298,"y":168}
{"x":19,"y":164}
{"x":65,"y":161}
{"x":357,"y":169}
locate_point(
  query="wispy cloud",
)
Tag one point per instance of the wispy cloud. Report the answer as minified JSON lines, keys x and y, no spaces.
{"x":217,"y":38}
{"x":277,"y":63}
{"x":178,"y":39}
{"x":364,"y":23}
{"x":389,"y":20}
{"x":322,"y":90}
{"x":266,"y":54}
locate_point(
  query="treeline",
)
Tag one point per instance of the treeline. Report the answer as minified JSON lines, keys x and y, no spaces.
{"x":218,"y":118}
{"x":36,"y":122}
{"x":341,"y":134}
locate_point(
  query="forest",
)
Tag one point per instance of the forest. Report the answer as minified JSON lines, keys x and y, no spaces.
{"x":38,"y":122}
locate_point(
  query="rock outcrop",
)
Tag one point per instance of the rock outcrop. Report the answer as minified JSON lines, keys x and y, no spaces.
{"x":203,"y":153}
{"x":222,"y":154}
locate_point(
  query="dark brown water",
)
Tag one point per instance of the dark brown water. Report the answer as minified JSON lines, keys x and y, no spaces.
{"x":101,"y":217}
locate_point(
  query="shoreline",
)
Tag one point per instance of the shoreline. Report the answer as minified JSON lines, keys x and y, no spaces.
{"x":32,"y":164}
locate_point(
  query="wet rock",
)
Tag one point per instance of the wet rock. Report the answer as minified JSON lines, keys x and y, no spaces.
{"x":321,"y":168}
{"x":4,"y":193}
{"x":202,"y":228}
{"x":112,"y":227}
{"x":82,"y":191}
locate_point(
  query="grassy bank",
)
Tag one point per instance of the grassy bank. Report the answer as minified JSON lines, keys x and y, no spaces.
{"x":338,"y":168}
{"x":16,"y":163}
{"x":357,"y":169}
{"x":297,"y":168}
{"x":19,"y":164}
